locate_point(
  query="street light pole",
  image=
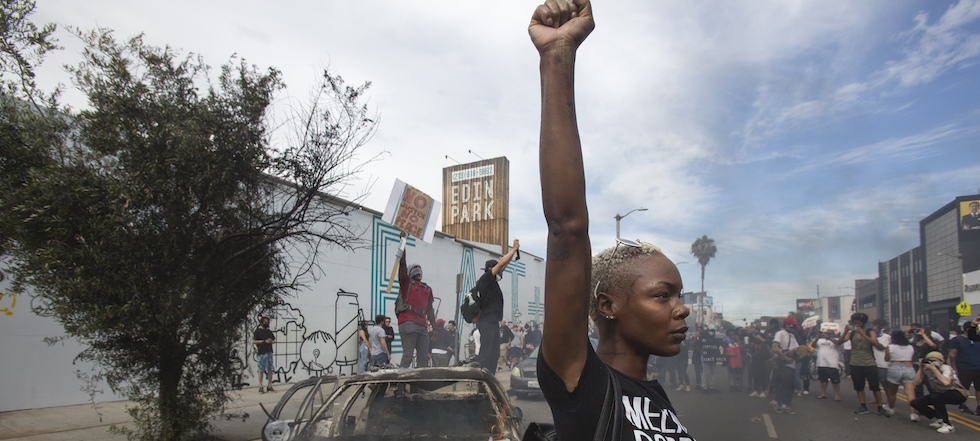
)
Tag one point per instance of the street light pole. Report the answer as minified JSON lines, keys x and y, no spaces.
{"x":619,"y":218}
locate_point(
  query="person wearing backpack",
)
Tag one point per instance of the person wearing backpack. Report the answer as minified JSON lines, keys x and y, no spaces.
{"x":491,"y":309}
{"x":414,"y":320}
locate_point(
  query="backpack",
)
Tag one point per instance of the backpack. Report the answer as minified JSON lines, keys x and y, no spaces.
{"x":401,"y":305}
{"x":470,"y":308}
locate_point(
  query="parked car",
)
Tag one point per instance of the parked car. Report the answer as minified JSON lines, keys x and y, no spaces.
{"x":298,"y":404}
{"x":524,"y":376}
{"x":459,"y":403}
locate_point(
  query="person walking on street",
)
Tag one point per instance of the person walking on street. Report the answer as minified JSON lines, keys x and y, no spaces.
{"x":783,"y":377}
{"x":263,"y":338}
{"x":413,"y":323}
{"x":964,"y":356}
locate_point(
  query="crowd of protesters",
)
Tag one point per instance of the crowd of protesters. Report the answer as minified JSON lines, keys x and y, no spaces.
{"x":777,"y":362}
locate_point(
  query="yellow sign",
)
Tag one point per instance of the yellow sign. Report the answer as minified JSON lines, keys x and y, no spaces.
{"x":963,"y":309}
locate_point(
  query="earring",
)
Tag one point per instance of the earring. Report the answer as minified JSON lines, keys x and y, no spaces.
{"x":610,"y":317}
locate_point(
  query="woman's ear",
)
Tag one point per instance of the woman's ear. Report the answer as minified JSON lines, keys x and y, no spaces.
{"x":605,"y":304}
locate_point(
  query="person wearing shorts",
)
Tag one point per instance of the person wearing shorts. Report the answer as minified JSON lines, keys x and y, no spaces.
{"x":863,"y":366}
{"x":899,"y":354}
{"x":263,"y":338}
{"x":828,"y":359}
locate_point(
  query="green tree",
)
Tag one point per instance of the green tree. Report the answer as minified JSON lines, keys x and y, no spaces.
{"x":162,"y":223}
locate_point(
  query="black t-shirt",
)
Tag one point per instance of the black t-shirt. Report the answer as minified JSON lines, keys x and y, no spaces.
{"x":491,"y":298}
{"x":648,"y":412}
{"x":263,"y":334}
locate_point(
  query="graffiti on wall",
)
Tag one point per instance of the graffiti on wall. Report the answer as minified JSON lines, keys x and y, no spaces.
{"x":385,"y":238}
{"x":299,"y":349}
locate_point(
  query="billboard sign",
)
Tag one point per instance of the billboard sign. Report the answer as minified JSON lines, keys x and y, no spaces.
{"x":806,"y":305}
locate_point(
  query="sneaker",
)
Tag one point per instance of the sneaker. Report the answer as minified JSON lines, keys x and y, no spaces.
{"x":762,"y":394}
{"x":689,"y":388}
{"x":883,"y":412}
{"x":787,"y":409}
{"x":914,"y":417}
{"x":799,"y":394}
{"x":680,"y":388}
{"x":775,"y":406}
{"x":754,"y":394}
{"x":270,"y":389}
{"x":947,"y":428}
{"x":965,"y":409}
{"x":261,"y":390}
{"x":937,"y":424}
{"x":806,"y":392}
{"x":862,"y":410}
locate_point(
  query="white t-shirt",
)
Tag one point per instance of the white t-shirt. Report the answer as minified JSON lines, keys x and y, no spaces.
{"x":885,"y":340}
{"x":787,"y":342}
{"x":901,"y":353}
{"x":827,"y":353}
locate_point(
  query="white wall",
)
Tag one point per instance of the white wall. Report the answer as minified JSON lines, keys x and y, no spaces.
{"x":315,"y":327}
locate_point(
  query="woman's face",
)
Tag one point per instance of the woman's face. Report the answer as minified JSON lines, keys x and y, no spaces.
{"x":650,"y":313}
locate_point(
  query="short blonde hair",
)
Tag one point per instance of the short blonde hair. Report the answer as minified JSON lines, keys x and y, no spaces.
{"x":611,"y":270}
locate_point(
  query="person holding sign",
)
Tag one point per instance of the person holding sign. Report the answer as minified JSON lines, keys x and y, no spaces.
{"x":417,"y":298}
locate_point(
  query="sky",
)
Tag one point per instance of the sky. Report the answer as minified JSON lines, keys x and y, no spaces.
{"x":808,"y":139}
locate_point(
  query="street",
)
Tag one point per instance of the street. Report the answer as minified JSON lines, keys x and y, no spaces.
{"x":735,"y":416}
{"x":724,"y":415}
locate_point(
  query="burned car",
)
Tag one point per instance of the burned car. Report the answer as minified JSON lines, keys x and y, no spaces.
{"x":411,"y":404}
{"x":298,"y":404}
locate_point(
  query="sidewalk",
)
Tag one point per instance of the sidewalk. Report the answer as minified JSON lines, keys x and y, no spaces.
{"x":92,"y":421}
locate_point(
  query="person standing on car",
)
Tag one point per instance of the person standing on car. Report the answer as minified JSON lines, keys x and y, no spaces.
{"x":413,"y":324}
{"x":632,"y":291}
{"x":263,"y":338}
{"x":492,"y":309}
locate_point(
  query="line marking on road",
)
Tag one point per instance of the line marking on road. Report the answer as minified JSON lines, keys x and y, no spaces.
{"x":769,"y":427}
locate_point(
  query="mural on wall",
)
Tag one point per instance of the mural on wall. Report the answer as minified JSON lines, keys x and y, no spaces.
{"x":312,"y":352}
{"x":385,"y":237}
{"x":516,"y":270}
{"x":535,"y":308}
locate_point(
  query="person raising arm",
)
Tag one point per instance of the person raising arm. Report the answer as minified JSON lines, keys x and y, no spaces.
{"x":631,"y":290}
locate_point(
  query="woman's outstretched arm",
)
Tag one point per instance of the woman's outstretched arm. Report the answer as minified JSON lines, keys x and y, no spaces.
{"x":557,"y":29}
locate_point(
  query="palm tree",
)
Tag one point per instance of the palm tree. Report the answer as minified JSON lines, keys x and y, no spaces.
{"x":704,"y":249}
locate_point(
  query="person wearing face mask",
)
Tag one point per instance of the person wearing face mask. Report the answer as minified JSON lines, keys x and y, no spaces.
{"x":492,"y":309}
{"x":944,"y":384}
{"x":864,"y":369}
{"x":263,"y":338}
